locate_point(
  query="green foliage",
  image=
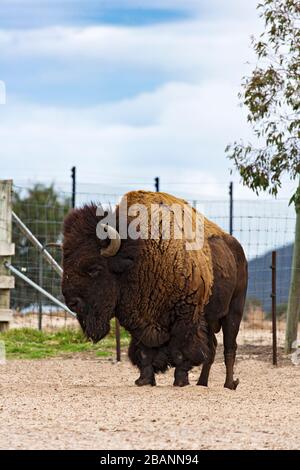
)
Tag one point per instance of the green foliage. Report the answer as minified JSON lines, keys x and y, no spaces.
{"x":42,"y":209}
{"x":272,"y":95}
{"x":27,"y":343}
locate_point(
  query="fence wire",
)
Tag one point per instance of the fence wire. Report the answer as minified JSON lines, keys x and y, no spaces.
{"x":261,"y":227}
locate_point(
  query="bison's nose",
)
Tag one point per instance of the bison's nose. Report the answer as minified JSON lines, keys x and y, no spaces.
{"x":75,"y":304}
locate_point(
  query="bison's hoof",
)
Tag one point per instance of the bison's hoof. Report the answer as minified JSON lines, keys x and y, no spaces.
{"x":141,"y":381}
{"x":232,"y":385}
{"x":181,"y":383}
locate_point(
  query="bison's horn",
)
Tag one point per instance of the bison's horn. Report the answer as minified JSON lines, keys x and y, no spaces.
{"x":115,"y":241}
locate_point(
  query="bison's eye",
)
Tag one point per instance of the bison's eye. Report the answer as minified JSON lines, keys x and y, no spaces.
{"x":94,"y":271}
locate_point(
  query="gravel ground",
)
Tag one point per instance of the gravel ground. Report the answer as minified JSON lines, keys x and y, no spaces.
{"x":86,"y":403}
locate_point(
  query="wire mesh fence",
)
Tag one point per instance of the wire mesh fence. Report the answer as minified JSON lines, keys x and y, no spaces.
{"x":42,"y":210}
{"x":261,"y":227}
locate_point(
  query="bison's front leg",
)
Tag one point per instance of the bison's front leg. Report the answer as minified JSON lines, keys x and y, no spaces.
{"x":182,"y":368}
{"x":146,"y":378}
{"x":142,"y":357}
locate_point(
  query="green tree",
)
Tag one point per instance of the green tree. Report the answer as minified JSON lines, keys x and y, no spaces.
{"x":42,"y":209}
{"x":272,"y":96}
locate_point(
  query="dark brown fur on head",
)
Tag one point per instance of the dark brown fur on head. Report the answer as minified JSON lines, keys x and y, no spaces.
{"x":90,"y":282}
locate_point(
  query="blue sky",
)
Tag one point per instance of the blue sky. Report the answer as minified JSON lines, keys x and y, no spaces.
{"x":55,"y":81}
{"x":36,"y":14}
{"x":125,"y":90}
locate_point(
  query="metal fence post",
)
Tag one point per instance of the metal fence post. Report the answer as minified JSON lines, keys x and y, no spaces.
{"x":231,"y":208}
{"x":274,"y":306}
{"x":7,"y":249}
{"x":40,"y":295}
{"x":118,"y":339}
{"x":156,"y":180}
{"x":73,"y":176}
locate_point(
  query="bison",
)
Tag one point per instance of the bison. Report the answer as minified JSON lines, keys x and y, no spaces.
{"x":170,"y":299}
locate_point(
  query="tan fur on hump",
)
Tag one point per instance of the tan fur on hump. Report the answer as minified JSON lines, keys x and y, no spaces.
{"x":198,"y":262}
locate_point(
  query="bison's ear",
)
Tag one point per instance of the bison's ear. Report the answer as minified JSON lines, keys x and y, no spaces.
{"x":118,"y":264}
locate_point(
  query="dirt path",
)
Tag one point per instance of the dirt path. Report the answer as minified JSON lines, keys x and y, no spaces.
{"x":88,"y":403}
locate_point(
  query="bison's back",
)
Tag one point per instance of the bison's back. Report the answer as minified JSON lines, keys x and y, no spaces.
{"x":167,"y":266}
{"x":168,"y":281}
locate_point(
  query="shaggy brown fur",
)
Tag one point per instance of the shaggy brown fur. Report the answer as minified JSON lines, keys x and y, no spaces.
{"x":171,"y":300}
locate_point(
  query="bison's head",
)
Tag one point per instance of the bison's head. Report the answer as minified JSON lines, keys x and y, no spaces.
{"x":91,"y":271}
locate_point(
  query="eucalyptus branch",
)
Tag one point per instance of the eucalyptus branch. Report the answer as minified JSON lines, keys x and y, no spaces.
{"x":272,"y":96}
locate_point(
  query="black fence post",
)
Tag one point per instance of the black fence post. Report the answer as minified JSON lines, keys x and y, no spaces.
{"x":231,"y":208}
{"x":157,"y":184}
{"x":73,"y":176}
{"x":40,"y":325}
{"x":274,"y":306}
{"x":118,"y":339}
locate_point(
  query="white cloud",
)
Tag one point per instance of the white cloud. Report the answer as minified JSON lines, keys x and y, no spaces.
{"x":185,"y":130}
{"x":179,"y":131}
{"x":189,"y":47}
{"x":182,"y":141}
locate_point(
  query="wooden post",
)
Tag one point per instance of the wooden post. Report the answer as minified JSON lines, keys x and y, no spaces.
{"x":7,"y":249}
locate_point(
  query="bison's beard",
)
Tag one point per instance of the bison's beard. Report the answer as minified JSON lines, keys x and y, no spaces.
{"x":95,"y":325}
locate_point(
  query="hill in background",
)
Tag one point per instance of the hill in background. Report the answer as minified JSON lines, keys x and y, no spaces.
{"x":260,"y":277}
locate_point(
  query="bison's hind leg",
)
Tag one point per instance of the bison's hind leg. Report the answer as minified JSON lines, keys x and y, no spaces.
{"x":230,"y":327}
{"x":212,"y":343}
{"x":188,"y":348}
{"x":161,"y":360}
